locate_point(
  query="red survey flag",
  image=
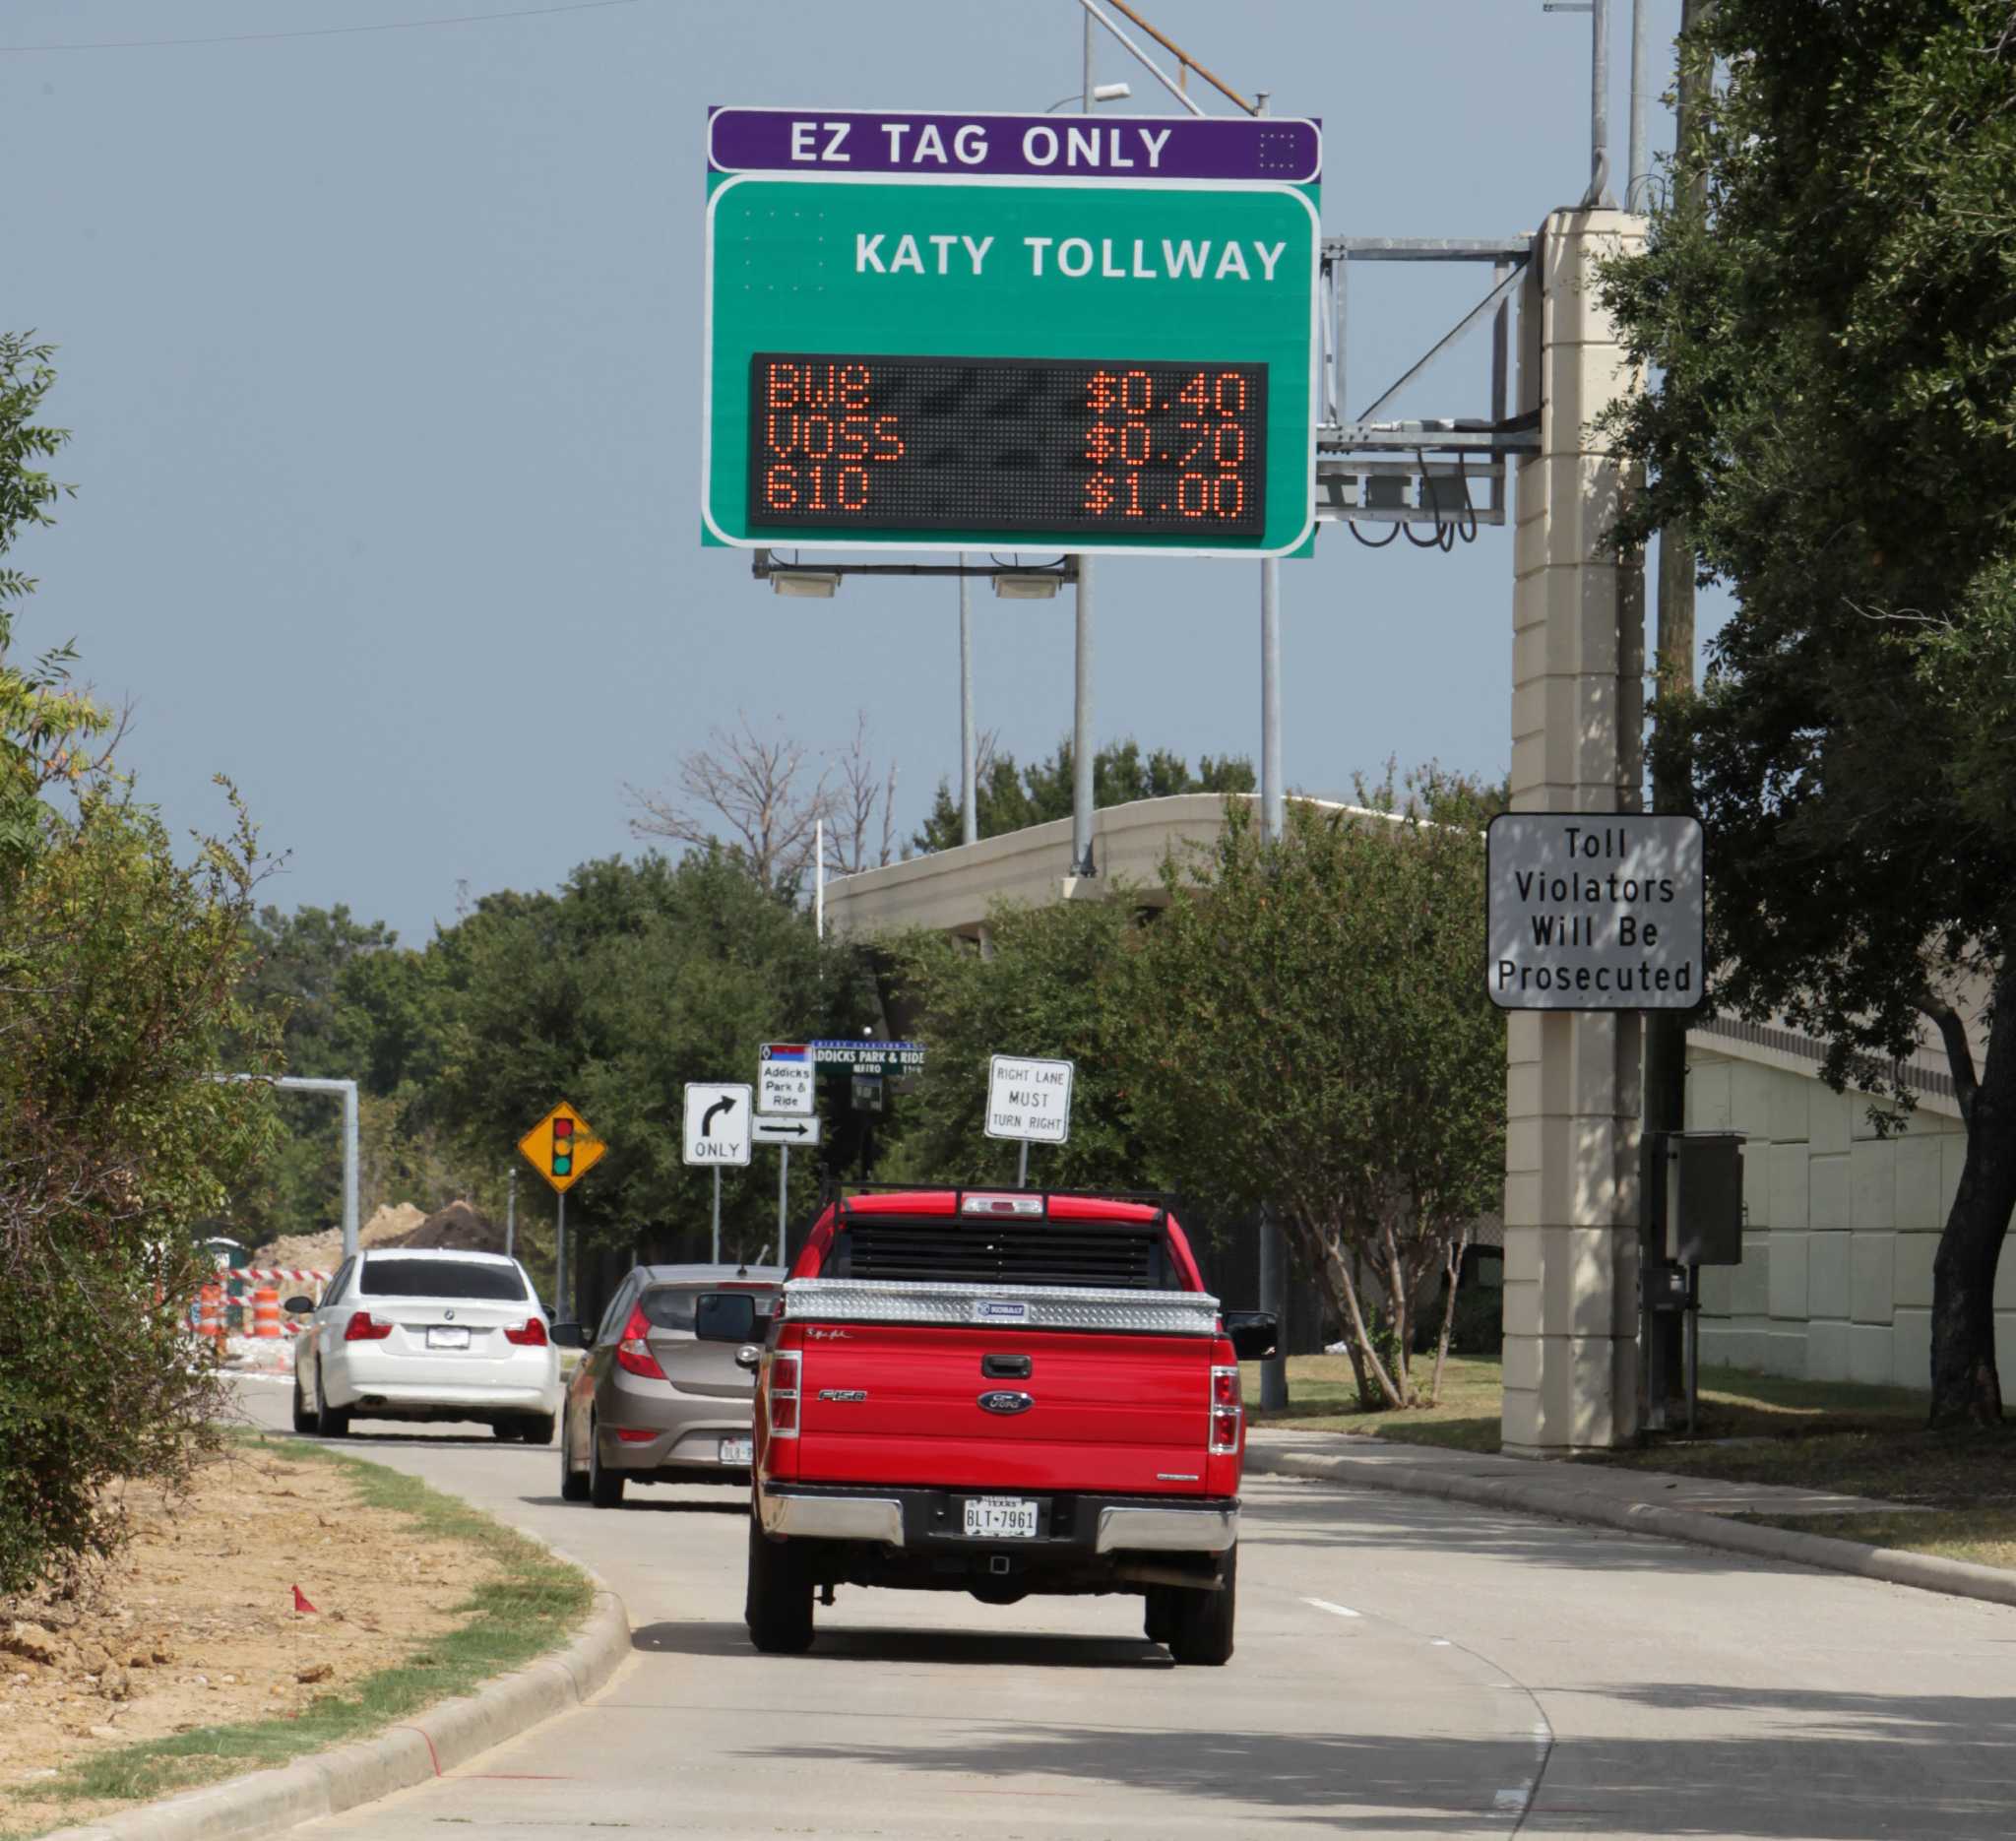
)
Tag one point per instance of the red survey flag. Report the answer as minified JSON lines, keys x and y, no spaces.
{"x":301,"y":1604}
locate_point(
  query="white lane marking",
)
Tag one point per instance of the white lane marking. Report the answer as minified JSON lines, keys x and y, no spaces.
{"x":1336,"y":1610}
{"x":1439,"y":1642}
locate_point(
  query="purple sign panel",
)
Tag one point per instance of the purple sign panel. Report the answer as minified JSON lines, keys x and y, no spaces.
{"x":838,"y":140}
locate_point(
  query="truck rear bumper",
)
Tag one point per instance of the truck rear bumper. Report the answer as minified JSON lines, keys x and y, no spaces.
{"x":929,"y":1518}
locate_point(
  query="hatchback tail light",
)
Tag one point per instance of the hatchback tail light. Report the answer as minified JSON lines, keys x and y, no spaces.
{"x":532,"y":1336}
{"x":633,"y":1348}
{"x":783,"y":1394}
{"x":363,"y":1327}
{"x":1228,"y":1410}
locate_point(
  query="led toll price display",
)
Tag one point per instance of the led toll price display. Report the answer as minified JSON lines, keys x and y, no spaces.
{"x":1011,"y":444}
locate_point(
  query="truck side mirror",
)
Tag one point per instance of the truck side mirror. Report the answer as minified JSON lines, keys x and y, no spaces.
{"x":1253,"y":1333}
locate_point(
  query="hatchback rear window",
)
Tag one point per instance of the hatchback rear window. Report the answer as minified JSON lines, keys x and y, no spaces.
{"x":673,"y":1307}
{"x":439,"y":1278}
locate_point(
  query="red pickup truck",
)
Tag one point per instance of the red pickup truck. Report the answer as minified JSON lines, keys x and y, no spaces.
{"x":1000,"y":1393}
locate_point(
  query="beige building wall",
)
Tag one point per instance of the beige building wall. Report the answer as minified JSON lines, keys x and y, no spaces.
{"x":1839,"y":1225}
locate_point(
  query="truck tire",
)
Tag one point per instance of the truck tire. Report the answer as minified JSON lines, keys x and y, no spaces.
{"x":778,"y":1606}
{"x":1201,"y":1635}
{"x":1158,"y":1618}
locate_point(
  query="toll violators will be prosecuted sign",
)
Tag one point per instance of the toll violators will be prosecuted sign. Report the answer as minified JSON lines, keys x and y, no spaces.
{"x":1594,"y":912}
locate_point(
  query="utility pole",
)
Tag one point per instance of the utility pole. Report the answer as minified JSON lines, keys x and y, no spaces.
{"x":511,"y":1213}
{"x":969,"y":746}
{"x":1081,"y":719}
{"x":1672,"y":773}
{"x":1637,"y":163}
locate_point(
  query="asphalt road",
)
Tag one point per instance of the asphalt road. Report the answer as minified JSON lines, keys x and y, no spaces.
{"x":1405,"y":1667}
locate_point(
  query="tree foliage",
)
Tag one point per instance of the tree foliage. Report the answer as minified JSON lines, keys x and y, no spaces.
{"x":1310,"y":1018}
{"x":1008,"y":798}
{"x":118,"y":973}
{"x":1834,"y":422}
{"x":1051,"y":985}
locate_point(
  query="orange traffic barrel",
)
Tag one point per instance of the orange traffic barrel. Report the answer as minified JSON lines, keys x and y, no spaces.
{"x":210,"y":1312}
{"x":266,"y":1311}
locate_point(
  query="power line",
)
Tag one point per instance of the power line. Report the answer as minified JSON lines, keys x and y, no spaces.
{"x":319,"y":31}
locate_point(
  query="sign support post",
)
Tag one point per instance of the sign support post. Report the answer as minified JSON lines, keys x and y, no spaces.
{"x":783,"y":1186}
{"x":560,"y":1257}
{"x":717,"y":1215}
{"x":1022,"y":1166}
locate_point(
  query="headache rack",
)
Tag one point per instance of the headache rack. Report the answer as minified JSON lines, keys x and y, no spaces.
{"x":1003,"y":1307}
{"x":969,"y":1248}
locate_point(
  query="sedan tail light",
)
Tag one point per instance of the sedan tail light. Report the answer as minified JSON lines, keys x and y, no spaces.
{"x":782,"y":1396}
{"x":1228,"y":1410}
{"x":633,"y":1347}
{"x":532,"y":1336}
{"x":363,"y":1327}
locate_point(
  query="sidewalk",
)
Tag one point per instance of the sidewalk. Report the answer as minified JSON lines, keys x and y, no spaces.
{"x":1572,"y":1481}
{"x":1694,"y":1509}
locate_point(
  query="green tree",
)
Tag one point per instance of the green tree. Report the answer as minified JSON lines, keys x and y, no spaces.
{"x":1008,"y":798}
{"x":118,"y":968}
{"x":1834,"y":422}
{"x":635,"y":979}
{"x":1051,"y":985}
{"x":1312,"y":1022}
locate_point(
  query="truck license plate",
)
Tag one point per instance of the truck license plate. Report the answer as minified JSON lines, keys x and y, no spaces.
{"x":735,"y":1450}
{"x":1000,"y":1517}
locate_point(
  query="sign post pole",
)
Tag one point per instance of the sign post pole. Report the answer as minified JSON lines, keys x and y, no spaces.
{"x":783,"y":1186}
{"x":1022,"y":1166}
{"x":717,"y":1214}
{"x":560,"y":1258}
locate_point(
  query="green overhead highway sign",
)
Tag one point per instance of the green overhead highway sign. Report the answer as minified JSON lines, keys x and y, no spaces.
{"x":1099,"y":355}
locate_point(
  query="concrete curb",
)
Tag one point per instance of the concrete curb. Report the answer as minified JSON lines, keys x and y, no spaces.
{"x":443,"y":1738}
{"x":1563,"y":1501}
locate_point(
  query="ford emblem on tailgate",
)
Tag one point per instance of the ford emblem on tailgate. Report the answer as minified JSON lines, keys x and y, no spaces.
{"x":1006,"y":1402}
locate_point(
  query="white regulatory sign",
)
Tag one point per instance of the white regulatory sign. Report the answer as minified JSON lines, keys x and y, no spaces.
{"x":787,"y":1131}
{"x":717,"y":1123}
{"x":1029,"y":1099}
{"x":783,"y":1079}
{"x":1595,"y":910}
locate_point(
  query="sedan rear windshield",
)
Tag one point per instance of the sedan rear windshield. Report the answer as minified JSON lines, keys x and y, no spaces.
{"x":439,"y":1278}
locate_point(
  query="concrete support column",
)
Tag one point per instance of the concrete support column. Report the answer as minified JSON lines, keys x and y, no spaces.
{"x":1573,"y":1080}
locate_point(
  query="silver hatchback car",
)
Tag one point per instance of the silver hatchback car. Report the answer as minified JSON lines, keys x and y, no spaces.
{"x":659,"y":1396}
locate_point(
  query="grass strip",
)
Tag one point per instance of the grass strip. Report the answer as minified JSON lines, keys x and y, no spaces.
{"x":532,"y":1604}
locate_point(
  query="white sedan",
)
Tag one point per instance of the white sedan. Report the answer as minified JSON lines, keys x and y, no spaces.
{"x":412,"y":1335}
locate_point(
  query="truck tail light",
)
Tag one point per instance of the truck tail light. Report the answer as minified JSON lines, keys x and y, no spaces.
{"x":363,"y":1327}
{"x":1228,"y":1410}
{"x":531,"y":1334}
{"x":633,"y":1347}
{"x":781,"y":1395}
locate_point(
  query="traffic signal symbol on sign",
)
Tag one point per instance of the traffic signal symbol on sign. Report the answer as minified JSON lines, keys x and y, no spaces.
{"x":561,"y":1147}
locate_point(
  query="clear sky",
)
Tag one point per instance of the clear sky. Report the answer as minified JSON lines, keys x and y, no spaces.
{"x":381,"y":350}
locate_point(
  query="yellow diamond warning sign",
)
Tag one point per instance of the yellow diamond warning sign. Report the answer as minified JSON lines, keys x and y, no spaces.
{"x":561,"y":1147}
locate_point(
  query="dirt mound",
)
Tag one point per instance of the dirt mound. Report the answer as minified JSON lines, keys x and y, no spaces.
{"x":461,"y":1228}
{"x":323,"y":1252}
